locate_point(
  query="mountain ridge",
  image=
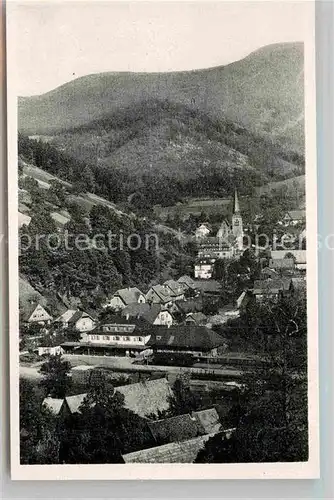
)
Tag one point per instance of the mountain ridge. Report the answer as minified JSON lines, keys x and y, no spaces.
{"x":262,"y":91}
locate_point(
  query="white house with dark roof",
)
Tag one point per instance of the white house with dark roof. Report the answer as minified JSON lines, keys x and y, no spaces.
{"x":124,"y":297}
{"x":154,"y":314}
{"x":79,"y":320}
{"x":36,"y":313}
{"x":294,"y":217}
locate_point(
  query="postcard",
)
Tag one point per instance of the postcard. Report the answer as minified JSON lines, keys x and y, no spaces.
{"x":162,"y":240}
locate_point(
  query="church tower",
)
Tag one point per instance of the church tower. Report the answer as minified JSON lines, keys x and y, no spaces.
{"x":237,"y":228}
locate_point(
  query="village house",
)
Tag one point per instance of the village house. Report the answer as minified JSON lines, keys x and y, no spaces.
{"x":195,"y":318}
{"x":204,"y":267}
{"x":186,"y":339}
{"x":124,"y":297}
{"x":78,"y":320}
{"x":202,"y":232}
{"x":299,"y":257}
{"x":208,"y":288}
{"x":187,"y":306}
{"x":272,"y":289}
{"x":160,"y":294}
{"x":176,"y":289}
{"x":294,"y":217}
{"x":35,"y":313}
{"x":119,"y":338}
{"x":187,"y":281}
{"x":154,"y":314}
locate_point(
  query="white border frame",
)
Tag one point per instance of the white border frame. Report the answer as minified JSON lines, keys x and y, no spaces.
{"x":293,"y":470}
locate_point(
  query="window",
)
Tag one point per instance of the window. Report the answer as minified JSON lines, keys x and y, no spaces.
{"x":126,"y":338}
{"x":116,"y":338}
{"x":140,"y":339}
{"x":106,"y":337}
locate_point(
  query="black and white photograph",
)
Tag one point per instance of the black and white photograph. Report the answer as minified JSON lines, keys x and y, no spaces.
{"x":162,"y":231}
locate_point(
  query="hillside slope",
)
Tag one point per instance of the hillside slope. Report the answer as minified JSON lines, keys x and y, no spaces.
{"x":263,"y":92}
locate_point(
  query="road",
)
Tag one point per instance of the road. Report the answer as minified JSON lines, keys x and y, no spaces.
{"x":127,"y":365}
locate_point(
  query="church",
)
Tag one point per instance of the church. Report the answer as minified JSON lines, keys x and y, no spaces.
{"x":227,"y":244}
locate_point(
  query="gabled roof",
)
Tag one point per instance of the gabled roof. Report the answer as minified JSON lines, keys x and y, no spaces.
{"x":164,"y":294}
{"x":149,"y":397}
{"x":296,"y":214}
{"x":266,"y":271}
{"x":182,"y":452}
{"x":78,"y":315}
{"x":208,"y":420}
{"x":29,"y":308}
{"x":66,"y":316}
{"x":171,"y":430}
{"x":129,"y":295}
{"x":53,"y":404}
{"x":198,"y":317}
{"x":208,"y":286}
{"x":175,"y":287}
{"x":146,"y":312}
{"x":143,"y":398}
{"x":74,"y":402}
{"x":186,"y":336}
{"x":187,"y":280}
{"x":271,"y":285}
{"x":192,"y":305}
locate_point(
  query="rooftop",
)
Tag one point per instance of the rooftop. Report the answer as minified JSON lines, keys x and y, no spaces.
{"x":186,"y":336}
{"x":181,"y":452}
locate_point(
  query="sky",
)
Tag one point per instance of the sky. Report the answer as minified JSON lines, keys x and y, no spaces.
{"x":55,"y":42}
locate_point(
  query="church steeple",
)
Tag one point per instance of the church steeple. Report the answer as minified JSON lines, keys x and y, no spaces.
{"x":237,"y":226}
{"x":236,"y":207}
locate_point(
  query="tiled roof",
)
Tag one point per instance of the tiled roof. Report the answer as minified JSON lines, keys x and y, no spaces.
{"x":181,"y":452}
{"x":148,"y":312}
{"x":171,"y":430}
{"x":78,"y":315}
{"x":53,"y":404}
{"x":143,"y":398}
{"x":186,"y":336}
{"x":299,"y":255}
{"x":208,"y":286}
{"x":28,"y":308}
{"x":187,"y":280}
{"x":66,"y":316}
{"x":198,"y":317}
{"x":175,"y":287}
{"x":147,"y":397}
{"x":208,"y":420}
{"x":74,"y":402}
{"x":129,"y":295}
{"x":192,"y":305}
{"x":164,"y":294}
{"x":271,"y":285}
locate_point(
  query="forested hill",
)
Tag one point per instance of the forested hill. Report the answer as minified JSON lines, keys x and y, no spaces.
{"x":160,"y":152}
{"x":262,"y":92}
